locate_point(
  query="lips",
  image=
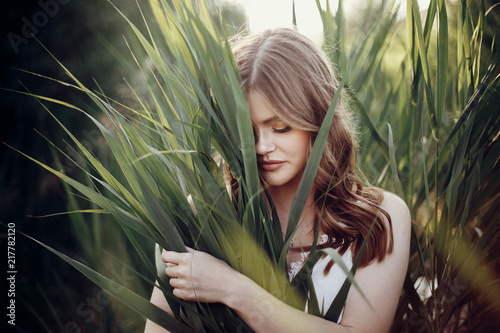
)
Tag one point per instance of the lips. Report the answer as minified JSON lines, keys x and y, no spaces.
{"x":271,"y":165}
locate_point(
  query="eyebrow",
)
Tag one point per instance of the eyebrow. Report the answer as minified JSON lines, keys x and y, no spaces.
{"x":267,"y":121}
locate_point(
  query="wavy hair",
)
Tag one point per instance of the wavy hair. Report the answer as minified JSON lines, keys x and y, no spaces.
{"x":295,"y":76}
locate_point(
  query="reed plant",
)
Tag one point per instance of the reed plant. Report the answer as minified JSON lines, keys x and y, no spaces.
{"x":427,"y":96}
{"x":175,"y":153}
{"x":429,"y":132}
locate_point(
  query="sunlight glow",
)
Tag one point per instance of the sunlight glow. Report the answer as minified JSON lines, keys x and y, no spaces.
{"x":264,"y":14}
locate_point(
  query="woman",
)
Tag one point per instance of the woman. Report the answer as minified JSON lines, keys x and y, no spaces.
{"x":289,"y":86}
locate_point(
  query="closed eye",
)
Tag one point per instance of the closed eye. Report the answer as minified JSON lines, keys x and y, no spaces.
{"x":282,"y":130}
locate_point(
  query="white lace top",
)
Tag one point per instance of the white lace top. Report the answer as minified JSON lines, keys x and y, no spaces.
{"x":295,"y":266}
{"x":326,"y":284}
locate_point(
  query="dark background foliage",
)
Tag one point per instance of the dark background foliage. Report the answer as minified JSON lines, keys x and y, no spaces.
{"x":71,"y":30}
{"x":88,"y":38}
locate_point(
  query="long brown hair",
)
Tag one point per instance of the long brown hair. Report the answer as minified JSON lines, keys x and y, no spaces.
{"x":294,"y":75}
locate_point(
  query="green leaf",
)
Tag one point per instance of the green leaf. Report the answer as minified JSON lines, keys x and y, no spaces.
{"x":127,"y":297}
{"x":394,"y":166}
{"x":338,"y":303}
{"x":310,"y":171}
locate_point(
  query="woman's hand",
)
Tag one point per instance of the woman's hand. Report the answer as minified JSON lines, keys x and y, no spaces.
{"x":198,"y":276}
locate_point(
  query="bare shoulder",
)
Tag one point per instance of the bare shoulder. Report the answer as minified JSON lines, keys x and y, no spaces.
{"x":398,"y":211}
{"x":394,"y":205}
{"x":381,"y":281}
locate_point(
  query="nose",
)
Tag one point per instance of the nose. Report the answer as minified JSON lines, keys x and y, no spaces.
{"x":264,"y":145}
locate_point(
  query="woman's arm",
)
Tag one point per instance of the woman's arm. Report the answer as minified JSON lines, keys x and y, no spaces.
{"x":200,"y":276}
{"x":160,"y":301}
{"x":381,"y":282}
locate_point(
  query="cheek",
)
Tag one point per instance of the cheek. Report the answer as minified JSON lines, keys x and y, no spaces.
{"x":300,"y":147}
{"x":305,"y":145}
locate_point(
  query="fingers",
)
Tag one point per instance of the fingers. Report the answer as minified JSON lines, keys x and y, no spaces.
{"x":182,"y":288}
{"x":182,"y":269}
{"x":183,"y":294}
{"x":172,"y":257}
{"x":173,"y":271}
{"x":177,"y":283}
{"x":179,"y":289}
{"x":178,"y":265}
{"x":177,"y":257}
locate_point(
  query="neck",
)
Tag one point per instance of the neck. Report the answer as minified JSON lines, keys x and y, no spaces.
{"x":282,"y":198}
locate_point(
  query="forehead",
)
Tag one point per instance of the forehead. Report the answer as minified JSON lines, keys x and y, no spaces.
{"x":260,"y":109}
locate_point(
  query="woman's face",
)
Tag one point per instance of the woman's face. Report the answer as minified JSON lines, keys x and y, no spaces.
{"x":282,"y":151}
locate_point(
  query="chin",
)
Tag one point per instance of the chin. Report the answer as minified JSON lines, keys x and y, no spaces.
{"x":284,"y":181}
{"x":270,"y":181}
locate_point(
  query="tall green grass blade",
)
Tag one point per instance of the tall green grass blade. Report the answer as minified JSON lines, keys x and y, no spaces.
{"x":394,"y":165}
{"x":422,"y":52}
{"x":340,"y":33}
{"x":310,"y":171}
{"x":96,"y":197}
{"x":374,"y":132}
{"x":442,"y":63}
{"x":429,"y":19}
{"x":457,"y":170}
{"x":337,"y":305}
{"x":294,"y":17}
{"x":134,"y":301}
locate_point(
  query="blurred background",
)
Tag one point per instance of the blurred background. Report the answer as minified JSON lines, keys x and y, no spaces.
{"x":87,"y":37}
{"x":50,"y":295}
